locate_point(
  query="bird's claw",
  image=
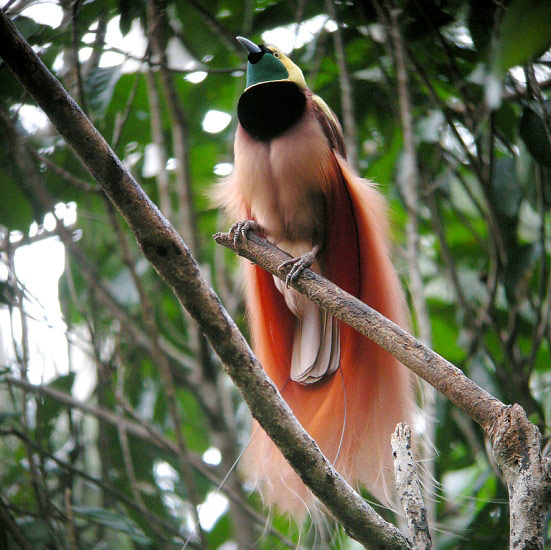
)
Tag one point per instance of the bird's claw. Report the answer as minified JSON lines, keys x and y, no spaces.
{"x":299,"y":264}
{"x":239,"y":230}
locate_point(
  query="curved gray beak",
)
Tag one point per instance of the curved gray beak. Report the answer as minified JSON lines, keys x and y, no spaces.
{"x":251,"y":47}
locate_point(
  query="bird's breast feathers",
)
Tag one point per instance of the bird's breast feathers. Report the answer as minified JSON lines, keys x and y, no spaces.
{"x":281,"y":180}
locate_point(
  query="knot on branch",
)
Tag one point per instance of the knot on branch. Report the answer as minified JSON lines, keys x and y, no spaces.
{"x":515,"y":440}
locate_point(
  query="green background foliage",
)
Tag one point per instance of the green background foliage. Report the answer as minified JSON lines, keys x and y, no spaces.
{"x":478,"y":81}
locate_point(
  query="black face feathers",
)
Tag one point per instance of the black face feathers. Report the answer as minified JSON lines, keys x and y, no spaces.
{"x":255,"y":57}
{"x":269,"y":109}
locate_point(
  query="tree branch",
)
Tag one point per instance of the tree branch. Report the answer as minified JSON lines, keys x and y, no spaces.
{"x":409,"y":488}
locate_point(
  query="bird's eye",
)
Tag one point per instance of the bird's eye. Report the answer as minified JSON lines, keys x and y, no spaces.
{"x":276,"y":54}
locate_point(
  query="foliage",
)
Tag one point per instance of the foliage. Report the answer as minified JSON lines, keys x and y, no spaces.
{"x":478,"y":82}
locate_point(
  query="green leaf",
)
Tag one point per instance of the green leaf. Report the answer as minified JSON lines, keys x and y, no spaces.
{"x":519,"y":270}
{"x":506,"y":190}
{"x":15,"y":209}
{"x":99,"y":86}
{"x":129,"y":11}
{"x":26,"y":26}
{"x":525,"y":32}
{"x":532,"y":131}
{"x":50,"y":408}
{"x":112,"y":520}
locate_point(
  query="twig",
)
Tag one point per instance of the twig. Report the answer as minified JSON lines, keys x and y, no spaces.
{"x":409,"y":488}
{"x":187,"y":224}
{"x":448,"y":256}
{"x":25,"y":240}
{"x":98,"y":46}
{"x":410,"y":181}
{"x":71,"y":528}
{"x":219,"y":30}
{"x":158,"y":139}
{"x":347,"y":101}
{"x":123,"y":438}
{"x":67,"y":176}
{"x":121,"y":118}
{"x":11,"y":525}
{"x":198,"y":67}
{"x":75,"y":7}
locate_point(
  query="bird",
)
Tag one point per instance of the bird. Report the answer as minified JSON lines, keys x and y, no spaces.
{"x":292,"y":184}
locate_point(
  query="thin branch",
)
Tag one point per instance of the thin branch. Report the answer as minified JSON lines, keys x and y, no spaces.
{"x":25,"y":240}
{"x":198,"y":67}
{"x":11,"y":525}
{"x":187,"y":225}
{"x":158,"y":139}
{"x":219,"y":30}
{"x":98,"y":46}
{"x":409,"y":488}
{"x":71,"y":527}
{"x":410,"y":179}
{"x":67,"y":176}
{"x":451,"y":267}
{"x":347,"y":100}
{"x":121,"y":118}
{"x":77,"y":69}
{"x":410,"y":182}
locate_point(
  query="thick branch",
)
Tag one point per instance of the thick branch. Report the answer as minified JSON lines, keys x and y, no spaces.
{"x":171,"y":258}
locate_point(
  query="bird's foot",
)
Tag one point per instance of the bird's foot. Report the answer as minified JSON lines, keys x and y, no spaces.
{"x":239,"y":230}
{"x":299,"y":264}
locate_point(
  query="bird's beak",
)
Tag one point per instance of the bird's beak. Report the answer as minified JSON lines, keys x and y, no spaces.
{"x":251,"y":47}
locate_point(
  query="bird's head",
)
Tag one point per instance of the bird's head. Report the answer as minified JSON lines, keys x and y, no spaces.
{"x":269,"y":64}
